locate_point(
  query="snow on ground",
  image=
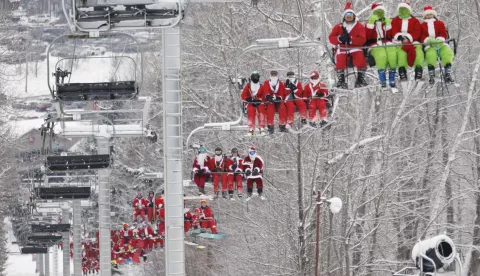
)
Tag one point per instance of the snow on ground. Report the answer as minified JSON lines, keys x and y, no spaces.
{"x":84,"y":70}
{"x":17,"y":265}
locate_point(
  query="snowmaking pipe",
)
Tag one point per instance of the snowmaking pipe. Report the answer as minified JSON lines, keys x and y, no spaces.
{"x":439,"y":250}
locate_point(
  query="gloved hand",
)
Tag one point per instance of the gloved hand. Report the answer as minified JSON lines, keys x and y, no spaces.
{"x":256,"y":172}
{"x":372,"y":19}
{"x":431,"y":40}
{"x":248,"y":172}
{"x":249,"y":100}
{"x":400,"y":38}
{"x":234,"y":167}
{"x":292,"y":87}
{"x":269,"y":98}
{"x":199,"y":172}
{"x":387,"y":21}
{"x":344,"y":38}
{"x":320,"y":95}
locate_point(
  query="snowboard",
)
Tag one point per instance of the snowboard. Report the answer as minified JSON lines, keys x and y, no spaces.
{"x":213,"y":236}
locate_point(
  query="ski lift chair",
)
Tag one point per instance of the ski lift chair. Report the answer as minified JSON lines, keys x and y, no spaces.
{"x":50,"y":228}
{"x":120,"y":85}
{"x":34,"y":250}
{"x":77,"y":162}
{"x":44,"y":239}
{"x":63,"y":193}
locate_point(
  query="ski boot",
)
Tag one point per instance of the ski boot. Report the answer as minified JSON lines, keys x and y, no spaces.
{"x":448,"y":74}
{"x":249,"y":196}
{"x":313,"y":124}
{"x":431,"y":74}
{"x":341,"y":80}
{"x":224,"y":195}
{"x":402,"y":72}
{"x":201,"y":191}
{"x":260,"y":193}
{"x":418,"y":73}
{"x":282,"y":128}
{"x":324,"y":123}
{"x":240,"y":195}
{"x":304,"y":121}
{"x":262,"y":131}
{"x":216,"y":195}
{"x":361,"y":82}
{"x":271,"y":129}
{"x":391,"y":78}
{"x":382,"y":76}
{"x":251,"y":133}
{"x":230,"y":195}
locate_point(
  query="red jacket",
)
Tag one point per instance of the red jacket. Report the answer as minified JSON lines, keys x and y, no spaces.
{"x":248,"y":93}
{"x":159,"y":202}
{"x":161,"y":215}
{"x":139,"y":203}
{"x":357,"y":34}
{"x":150,"y":201}
{"x":217,"y":166}
{"x":206,"y":213}
{"x":297,"y":94}
{"x":379,"y":33}
{"x":278,"y":90}
{"x":408,"y":28}
{"x":201,"y":164}
{"x":433,"y":28}
{"x":311,"y":91}
{"x":250,"y":165}
{"x":234,"y":160}
{"x":126,"y":233}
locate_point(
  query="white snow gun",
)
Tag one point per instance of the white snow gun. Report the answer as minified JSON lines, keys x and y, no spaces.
{"x":434,"y":253}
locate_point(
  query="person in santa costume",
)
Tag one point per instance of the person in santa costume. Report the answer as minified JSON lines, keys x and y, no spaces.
{"x":217,"y":167}
{"x":379,"y":33}
{"x":139,"y":205}
{"x":294,"y":98}
{"x":150,"y":200}
{"x":274,"y":91}
{"x":201,"y":170}
{"x":206,"y":217}
{"x":234,"y":166}
{"x":253,"y":95}
{"x":318,"y":93}
{"x":406,"y":31}
{"x":253,"y":166}
{"x":349,"y":36}
{"x":187,"y":217}
{"x":435,"y":34}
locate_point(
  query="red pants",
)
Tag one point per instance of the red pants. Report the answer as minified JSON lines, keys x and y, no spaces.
{"x":282,"y":113}
{"x":209,"y":223}
{"x":150,"y":214}
{"x":411,"y":54}
{"x":302,"y":109}
{"x":161,"y":228}
{"x":137,"y":212}
{"x":216,"y":179}
{"x":237,"y":179}
{"x":148,"y":244}
{"x":252,"y":115}
{"x":186,"y":226}
{"x":358,"y":60}
{"x":321,"y":106}
{"x":200,"y":180}
{"x":259,"y":182}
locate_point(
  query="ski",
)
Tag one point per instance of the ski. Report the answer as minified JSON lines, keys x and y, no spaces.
{"x":213,"y":236}
{"x":198,"y":246}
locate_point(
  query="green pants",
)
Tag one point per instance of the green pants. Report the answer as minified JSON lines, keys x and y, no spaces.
{"x":446,"y":55}
{"x":384,"y":56}
{"x":402,"y":57}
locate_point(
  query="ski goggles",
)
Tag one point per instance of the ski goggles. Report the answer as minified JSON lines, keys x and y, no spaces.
{"x":349,"y":14}
{"x":202,"y":150}
{"x":252,"y":152}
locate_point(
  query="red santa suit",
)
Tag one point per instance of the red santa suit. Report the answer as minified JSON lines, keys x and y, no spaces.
{"x":187,"y":219}
{"x":409,"y":29}
{"x":379,"y":34}
{"x":217,"y":164}
{"x":253,"y":166}
{"x":206,"y":219}
{"x":275,"y":90}
{"x":161,"y":224}
{"x":150,"y":203}
{"x":234,"y":166}
{"x":201,"y":170}
{"x":318,"y":91}
{"x":358,"y":37}
{"x":433,"y":28}
{"x":149,"y":240}
{"x":255,"y":92}
{"x":139,"y":204}
{"x":296,"y":99}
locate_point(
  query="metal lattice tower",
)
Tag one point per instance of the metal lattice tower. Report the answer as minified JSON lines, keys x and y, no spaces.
{"x":77,"y":239}
{"x":66,"y":241}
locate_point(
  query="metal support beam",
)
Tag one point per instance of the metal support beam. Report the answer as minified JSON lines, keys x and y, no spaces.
{"x":37,"y":262}
{"x":55,"y":260}
{"x":66,"y":241}
{"x":173,"y":151}
{"x":104,"y":219}
{"x":47,"y":264}
{"x":77,"y":242}
{"x":41,"y":268}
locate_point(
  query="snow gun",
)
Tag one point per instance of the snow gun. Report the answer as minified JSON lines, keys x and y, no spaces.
{"x":434,"y":253}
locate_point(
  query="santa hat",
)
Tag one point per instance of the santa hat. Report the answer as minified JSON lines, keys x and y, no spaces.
{"x":376,"y":7}
{"x":348,"y":8}
{"x":405,"y":5}
{"x":314,"y":74}
{"x":429,"y":10}
{"x":252,"y":149}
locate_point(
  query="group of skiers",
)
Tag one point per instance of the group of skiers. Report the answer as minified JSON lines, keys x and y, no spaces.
{"x":400,"y":42}
{"x":228,"y":172}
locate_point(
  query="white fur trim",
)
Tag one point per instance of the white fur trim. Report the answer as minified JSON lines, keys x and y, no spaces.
{"x":426,"y":39}
{"x":409,"y":36}
{"x":370,"y":26}
{"x":349,"y":10}
{"x":433,"y":12}
{"x":379,"y":29}
{"x":431,"y":28}
{"x":388,"y":27}
{"x":404,"y":26}
{"x":349,"y":26}
{"x":404,"y":5}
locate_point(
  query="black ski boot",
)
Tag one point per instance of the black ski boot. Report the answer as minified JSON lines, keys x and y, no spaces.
{"x":313,"y":124}
{"x":341,"y":80}
{"x":224,"y":195}
{"x":216,"y":195}
{"x":282,"y":128}
{"x":230,"y":195}
{"x":431,"y":75}
{"x":304,"y":121}
{"x":271,"y":130}
{"x":201,"y":191}
{"x":402,"y":72}
{"x":323,"y":123}
{"x":448,"y":74}
{"x":418,"y":73}
{"x":361,"y":82}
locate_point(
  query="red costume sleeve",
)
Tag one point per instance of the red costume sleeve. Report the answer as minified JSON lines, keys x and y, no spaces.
{"x":336,"y":31}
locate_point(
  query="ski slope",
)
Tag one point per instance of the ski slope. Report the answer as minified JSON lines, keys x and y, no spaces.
{"x":17,"y":265}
